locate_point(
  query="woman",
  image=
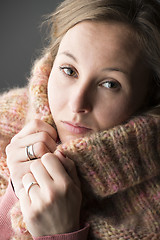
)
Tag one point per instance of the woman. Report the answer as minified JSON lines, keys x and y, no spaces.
{"x":97,"y":85}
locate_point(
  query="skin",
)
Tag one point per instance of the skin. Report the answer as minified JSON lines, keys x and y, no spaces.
{"x":97,"y":81}
{"x":53,"y":205}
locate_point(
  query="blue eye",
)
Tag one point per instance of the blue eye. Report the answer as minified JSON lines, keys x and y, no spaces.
{"x":111,"y":84}
{"x":68,"y":71}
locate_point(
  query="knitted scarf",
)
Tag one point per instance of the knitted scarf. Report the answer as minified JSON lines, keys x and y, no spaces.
{"x":119,"y":168}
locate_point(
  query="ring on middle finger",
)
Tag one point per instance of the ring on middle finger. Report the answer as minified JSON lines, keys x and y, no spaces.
{"x":30,"y":152}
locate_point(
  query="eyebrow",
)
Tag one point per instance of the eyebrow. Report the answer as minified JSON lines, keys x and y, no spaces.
{"x":113,"y":69}
{"x":68,"y":54}
{"x":110,"y":69}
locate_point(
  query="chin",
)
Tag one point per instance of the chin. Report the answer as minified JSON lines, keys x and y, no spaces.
{"x":68,"y":138}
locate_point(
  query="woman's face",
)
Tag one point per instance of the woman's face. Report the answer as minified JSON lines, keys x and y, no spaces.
{"x":98,"y":79}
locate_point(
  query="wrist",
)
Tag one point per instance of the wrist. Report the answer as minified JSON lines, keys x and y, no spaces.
{"x":71,"y":228}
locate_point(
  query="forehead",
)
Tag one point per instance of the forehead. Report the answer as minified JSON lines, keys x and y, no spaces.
{"x":101,"y":31}
{"x":113,"y":41}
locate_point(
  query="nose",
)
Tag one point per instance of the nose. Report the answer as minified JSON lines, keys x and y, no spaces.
{"x":81,"y":100}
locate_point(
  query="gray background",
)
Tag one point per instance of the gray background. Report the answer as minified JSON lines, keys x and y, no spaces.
{"x":20,"y":38}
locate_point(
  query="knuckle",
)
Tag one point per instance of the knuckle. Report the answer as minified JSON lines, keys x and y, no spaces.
{"x":13,"y":139}
{"x":33,"y":215}
{"x":44,"y":136}
{"x":9,"y":148}
{"x":24,"y":177}
{"x":46,"y":156}
{"x":38,"y":209}
{"x":34,"y":165}
{"x":66,"y":185}
{"x":36,"y":124}
{"x":40,"y":149}
{"x":9,"y":160}
{"x":49,"y":197}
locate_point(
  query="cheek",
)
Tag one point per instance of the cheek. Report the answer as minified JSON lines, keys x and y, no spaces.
{"x":114,"y":112}
{"x":56,"y":98}
{"x":52,"y":97}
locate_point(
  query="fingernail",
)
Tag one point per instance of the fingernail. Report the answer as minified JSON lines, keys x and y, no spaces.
{"x":63,"y":154}
{"x":58,"y":151}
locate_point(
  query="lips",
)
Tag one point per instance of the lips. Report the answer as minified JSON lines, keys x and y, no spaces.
{"x":75,"y":128}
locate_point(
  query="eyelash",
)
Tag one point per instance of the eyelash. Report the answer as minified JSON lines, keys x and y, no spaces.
{"x":68,"y":68}
{"x":114,"y":85}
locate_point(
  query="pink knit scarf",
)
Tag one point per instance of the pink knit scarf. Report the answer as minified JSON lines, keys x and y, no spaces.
{"x":119,"y":169}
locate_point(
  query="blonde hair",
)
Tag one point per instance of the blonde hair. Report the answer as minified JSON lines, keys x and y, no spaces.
{"x":142,"y":15}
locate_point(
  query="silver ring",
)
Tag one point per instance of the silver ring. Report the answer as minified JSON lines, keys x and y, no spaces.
{"x":30,"y":152}
{"x":28,"y":187}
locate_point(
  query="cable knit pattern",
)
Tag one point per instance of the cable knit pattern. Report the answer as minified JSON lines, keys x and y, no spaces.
{"x":119,"y":168}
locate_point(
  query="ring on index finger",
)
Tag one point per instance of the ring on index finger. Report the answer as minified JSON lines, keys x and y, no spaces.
{"x":30,"y":152}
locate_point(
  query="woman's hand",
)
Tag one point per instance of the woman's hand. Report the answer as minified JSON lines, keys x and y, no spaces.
{"x":37,"y":133}
{"x":52,"y":206}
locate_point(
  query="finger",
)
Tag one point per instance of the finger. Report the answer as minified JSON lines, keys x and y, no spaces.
{"x":42,"y":143}
{"x":36,"y":126}
{"x":16,"y":175}
{"x":39,"y":150}
{"x":31,"y":187}
{"x":25,"y":202}
{"x":35,"y":151}
{"x":16,"y":155}
{"x":55,"y":168}
{"x":31,"y":139}
{"x":69,"y":166}
{"x":40,"y":174}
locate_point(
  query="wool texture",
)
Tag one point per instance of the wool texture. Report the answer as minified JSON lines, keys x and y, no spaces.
{"x":119,"y":168}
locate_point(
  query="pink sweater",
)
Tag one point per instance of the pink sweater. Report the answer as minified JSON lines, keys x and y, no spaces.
{"x":6,"y":203}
